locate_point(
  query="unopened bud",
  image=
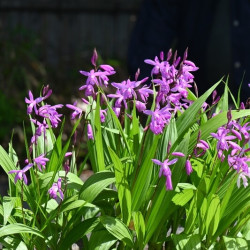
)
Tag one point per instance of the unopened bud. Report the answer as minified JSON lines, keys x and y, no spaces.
{"x":169,"y":55}
{"x":185,"y":54}
{"x":94,"y":58}
{"x":229,"y":115}
{"x":196,"y":89}
{"x":45,"y":90}
{"x":137,"y":74}
{"x":169,"y":147}
{"x":162,"y":55}
{"x":189,"y":168}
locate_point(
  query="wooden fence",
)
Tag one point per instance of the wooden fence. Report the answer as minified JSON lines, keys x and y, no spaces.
{"x":69,"y":29}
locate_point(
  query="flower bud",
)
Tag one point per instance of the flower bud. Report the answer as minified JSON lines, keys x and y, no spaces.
{"x":94,"y":58}
{"x":229,"y":115}
{"x":188,"y":166}
{"x":90,"y":132}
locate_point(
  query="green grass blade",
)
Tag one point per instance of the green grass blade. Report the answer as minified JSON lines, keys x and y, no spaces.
{"x":98,"y":137}
{"x":95,"y":184}
{"x":122,"y":186}
{"x":142,"y":180}
{"x":17,"y":229}
{"x":188,"y":118}
{"x":77,"y":232}
{"x":117,"y":229}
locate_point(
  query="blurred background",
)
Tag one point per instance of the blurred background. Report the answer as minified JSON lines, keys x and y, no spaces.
{"x":47,"y":42}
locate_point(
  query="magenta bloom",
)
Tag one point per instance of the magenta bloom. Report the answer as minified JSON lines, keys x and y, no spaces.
{"x":32,"y":103}
{"x":41,"y":129}
{"x":76,"y":111}
{"x":20,"y":174}
{"x":158,"y":66}
{"x":41,"y":161}
{"x":126,"y":90}
{"x":222,"y":138}
{"x":103,"y":114}
{"x":90,"y":132}
{"x":201,"y":148}
{"x":165,"y":170}
{"x":50,"y":112}
{"x":189,"y":168}
{"x":243,"y":176}
{"x":140,"y":106}
{"x":160,"y":117}
{"x":56,"y":187}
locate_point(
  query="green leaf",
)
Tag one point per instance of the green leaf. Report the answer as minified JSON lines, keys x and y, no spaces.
{"x":189,"y":116}
{"x":135,"y":131}
{"x":13,"y":243}
{"x":139,"y":225}
{"x":73,"y":181}
{"x":119,"y":127}
{"x":213,"y":124}
{"x":117,"y":229}
{"x":213,"y":215}
{"x":186,"y":242}
{"x":8,"y":205}
{"x":95,"y":184}
{"x":98,"y":137}
{"x":186,"y":186}
{"x":162,"y":205}
{"x":235,"y":243}
{"x":225,"y":97}
{"x":77,"y":232}
{"x":239,"y":202}
{"x":182,"y":198}
{"x":73,"y":205}
{"x":101,"y":240}
{"x":7,"y":165}
{"x":17,"y":229}
{"x":227,"y":196}
{"x":142,"y":181}
{"x":124,"y":193}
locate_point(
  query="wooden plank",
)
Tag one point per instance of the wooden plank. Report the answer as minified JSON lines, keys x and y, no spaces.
{"x":73,"y":5}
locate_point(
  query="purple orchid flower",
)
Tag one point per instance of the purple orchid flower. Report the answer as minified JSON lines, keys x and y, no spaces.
{"x":158,"y":66}
{"x":32,"y":103}
{"x":20,"y":174}
{"x":41,"y":129}
{"x":140,"y":106}
{"x":103,"y":114}
{"x":222,"y":138}
{"x":201,"y":148}
{"x":50,"y":112}
{"x":76,"y":111}
{"x":56,"y":187}
{"x":90,"y":132}
{"x":165,"y":170}
{"x":160,"y":117}
{"x":188,"y":167}
{"x":41,"y":161}
{"x":243,"y":176}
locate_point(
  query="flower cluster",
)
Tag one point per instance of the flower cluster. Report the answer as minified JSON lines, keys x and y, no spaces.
{"x":172,"y":81}
{"x":232,"y":144}
{"x":39,"y":162}
{"x":47,"y":114}
{"x":97,"y":77}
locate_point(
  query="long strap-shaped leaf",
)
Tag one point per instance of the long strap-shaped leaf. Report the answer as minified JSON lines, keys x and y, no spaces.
{"x":124,"y":193}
